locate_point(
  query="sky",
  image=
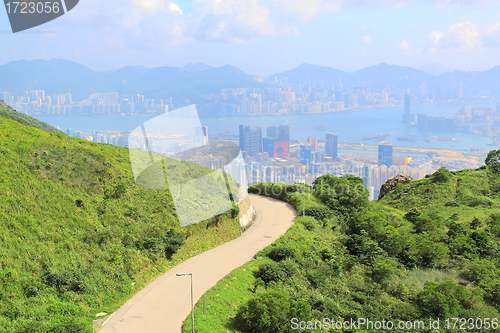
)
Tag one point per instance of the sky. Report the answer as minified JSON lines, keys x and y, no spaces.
{"x":264,"y":37}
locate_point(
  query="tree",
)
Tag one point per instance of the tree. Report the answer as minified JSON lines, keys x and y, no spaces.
{"x":444,"y":300}
{"x":269,"y":311}
{"x":493,"y":159}
{"x":442,"y":175}
{"x":344,"y":194}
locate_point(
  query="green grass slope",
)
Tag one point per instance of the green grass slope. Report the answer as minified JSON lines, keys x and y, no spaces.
{"x":77,"y":235}
{"x":429,"y":249}
{"x":9,"y":113}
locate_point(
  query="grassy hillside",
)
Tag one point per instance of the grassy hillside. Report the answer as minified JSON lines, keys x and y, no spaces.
{"x":429,"y":249}
{"x":78,"y":236}
{"x":9,"y":113}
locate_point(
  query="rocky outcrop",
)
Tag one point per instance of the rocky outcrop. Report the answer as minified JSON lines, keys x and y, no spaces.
{"x":392,"y":183}
{"x":247,"y":213}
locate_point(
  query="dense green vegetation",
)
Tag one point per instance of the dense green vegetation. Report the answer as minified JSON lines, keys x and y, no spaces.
{"x":78,"y":236}
{"x":428,"y":249}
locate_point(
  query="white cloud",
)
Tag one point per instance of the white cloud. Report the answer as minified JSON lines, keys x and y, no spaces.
{"x":247,"y":19}
{"x":404,"y":45}
{"x":366,"y":39}
{"x":491,"y":36}
{"x":435,"y":36}
{"x":174,"y":8}
{"x":462,"y":36}
{"x":147,"y":6}
{"x":492,"y":28}
{"x":310,"y":8}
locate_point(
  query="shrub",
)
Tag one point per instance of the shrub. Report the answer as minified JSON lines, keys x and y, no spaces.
{"x":65,"y":281}
{"x":270,"y":312}
{"x":309,"y":222}
{"x":383,"y":270}
{"x":476,"y":223}
{"x":173,"y":241}
{"x":443,"y":300}
{"x":442,"y":175}
{"x":412,"y":215}
{"x":344,"y":194}
{"x":271,"y":271}
{"x":318,"y":212}
{"x":281,"y":253}
{"x":430,"y":253}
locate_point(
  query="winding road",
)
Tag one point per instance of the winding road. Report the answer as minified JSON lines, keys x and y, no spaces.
{"x":162,"y":306}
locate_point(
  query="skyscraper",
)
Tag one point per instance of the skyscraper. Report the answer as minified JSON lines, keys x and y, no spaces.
{"x":250,"y":139}
{"x":268,"y":145}
{"x":284,"y":136}
{"x":385,"y":153}
{"x":305,"y":153}
{"x":284,"y":133}
{"x":406,"y":114}
{"x":272,"y":132}
{"x":331,"y":145}
{"x":242,"y":138}
{"x":313,"y":141}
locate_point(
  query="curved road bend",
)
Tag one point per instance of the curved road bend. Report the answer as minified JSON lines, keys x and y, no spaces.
{"x":162,"y":306}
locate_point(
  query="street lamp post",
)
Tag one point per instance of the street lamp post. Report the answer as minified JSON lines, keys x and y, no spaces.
{"x":192,"y":305}
{"x":304,"y":205}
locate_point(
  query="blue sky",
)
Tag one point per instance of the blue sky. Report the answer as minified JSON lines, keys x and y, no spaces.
{"x":266,"y":37}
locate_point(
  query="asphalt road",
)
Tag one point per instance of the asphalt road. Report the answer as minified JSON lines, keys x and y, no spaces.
{"x":162,"y":306}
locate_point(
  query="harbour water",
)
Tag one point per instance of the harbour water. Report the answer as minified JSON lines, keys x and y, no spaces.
{"x":349,"y":125}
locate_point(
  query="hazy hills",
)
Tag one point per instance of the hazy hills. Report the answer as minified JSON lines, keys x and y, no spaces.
{"x":381,"y":75}
{"x":194,"y":80}
{"x":60,"y":76}
{"x":436,"y":69}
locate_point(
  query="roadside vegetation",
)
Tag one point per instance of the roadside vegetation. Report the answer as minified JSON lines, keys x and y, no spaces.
{"x":428,"y":249}
{"x":78,"y":237}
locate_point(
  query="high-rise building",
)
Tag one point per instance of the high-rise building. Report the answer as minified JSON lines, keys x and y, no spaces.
{"x":317,"y":156}
{"x":305,"y":153}
{"x":284,"y":136}
{"x":284,"y":133}
{"x":250,"y":139}
{"x":367,"y":176}
{"x":281,"y":148}
{"x":69,"y":132}
{"x":385,"y":153}
{"x":242,"y":138}
{"x":272,"y":132}
{"x":406,"y":114}
{"x":268,"y":145}
{"x":331,"y":145}
{"x":313,"y":141}
{"x":268,"y":173}
{"x":6,"y":97}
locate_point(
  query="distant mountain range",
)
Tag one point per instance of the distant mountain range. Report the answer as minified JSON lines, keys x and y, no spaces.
{"x":436,"y":69}
{"x":194,"y":80}
{"x":383,"y":75}
{"x":60,"y":76}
